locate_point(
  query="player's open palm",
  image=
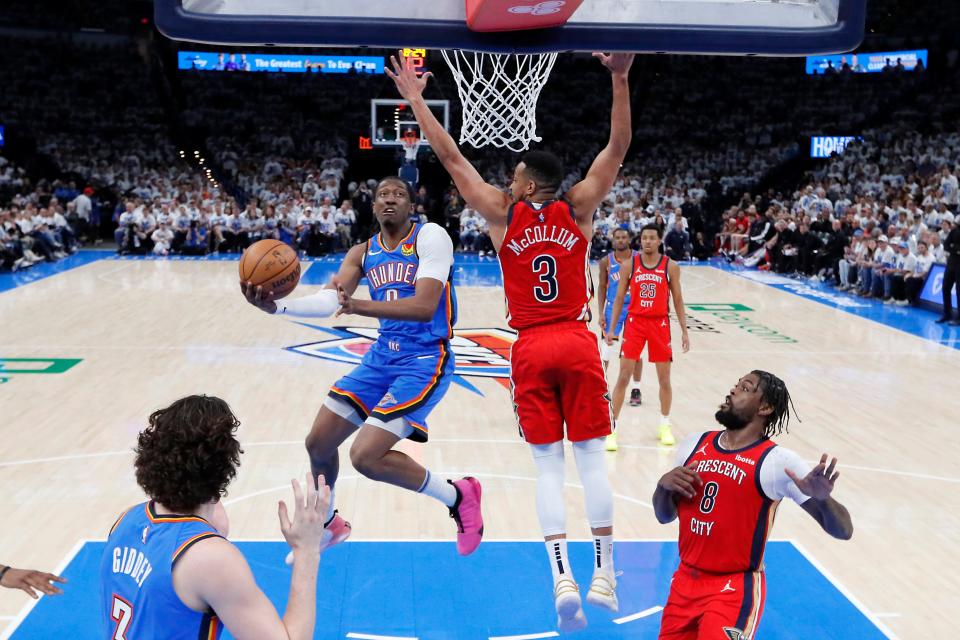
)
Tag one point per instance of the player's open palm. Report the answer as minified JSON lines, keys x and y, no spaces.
{"x":818,"y":484}
{"x":618,"y":63}
{"x":404,"y":75}
{"x":310,"y":511}
{"x":31,"y":581}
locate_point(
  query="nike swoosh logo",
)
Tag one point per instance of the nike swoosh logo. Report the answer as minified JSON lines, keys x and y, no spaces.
{"x":374,"y":253}
{"x":425,"y":357}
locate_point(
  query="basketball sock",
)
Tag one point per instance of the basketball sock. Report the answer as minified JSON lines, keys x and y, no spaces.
{"x":550,"y":508}
{"x":331,"y":510}
{"x":559,"y":564}
{"x":603,"y":553}
{"x":634,"y":384}
{"x":597,"y":493}
{"x":438,"y":488}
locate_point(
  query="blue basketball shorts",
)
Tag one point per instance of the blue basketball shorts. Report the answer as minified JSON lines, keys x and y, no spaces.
{"x":608,"y":314}
{"x":398,"y":379}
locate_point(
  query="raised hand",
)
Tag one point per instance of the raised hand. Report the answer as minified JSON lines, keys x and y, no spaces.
{"x":618,"y":63}
{"x":256,"y":296}
{"x":681,"y":480}
{"x":818,"y":484}
{"x":409,"y":84}
{"x":310,"y":511}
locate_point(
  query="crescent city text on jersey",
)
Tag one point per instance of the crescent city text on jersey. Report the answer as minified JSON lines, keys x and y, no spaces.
{"x":533,"y":235}
{"x":722,"y":467}
{"x":392,"y":273}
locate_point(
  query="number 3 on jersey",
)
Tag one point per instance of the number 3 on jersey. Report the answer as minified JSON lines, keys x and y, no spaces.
{"x":545,"y":266}
{"x":121,"y":613}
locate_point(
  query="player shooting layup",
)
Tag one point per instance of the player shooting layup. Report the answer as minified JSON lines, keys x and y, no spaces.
{"x":405,"y":373}
{"x":542,"y":242}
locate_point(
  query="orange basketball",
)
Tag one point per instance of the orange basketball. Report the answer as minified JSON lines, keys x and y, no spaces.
{"x":272,"y":265}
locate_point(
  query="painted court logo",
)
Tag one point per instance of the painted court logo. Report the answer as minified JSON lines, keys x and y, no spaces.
{"x":478,"y":353}
{"x":735,"y":314}
{"x":33,"y":366}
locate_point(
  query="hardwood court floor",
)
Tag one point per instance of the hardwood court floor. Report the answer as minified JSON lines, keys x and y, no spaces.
{"x":147,"y":332}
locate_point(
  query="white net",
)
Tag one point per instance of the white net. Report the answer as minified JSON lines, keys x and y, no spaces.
{"x":499,"y":93}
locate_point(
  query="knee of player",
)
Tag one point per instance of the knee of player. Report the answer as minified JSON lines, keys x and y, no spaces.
{"x":364,"y":462}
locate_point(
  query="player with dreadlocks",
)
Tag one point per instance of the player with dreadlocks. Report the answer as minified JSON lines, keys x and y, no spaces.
{"x":725,"y":490}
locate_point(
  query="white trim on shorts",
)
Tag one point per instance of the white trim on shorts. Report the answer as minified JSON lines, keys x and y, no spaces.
{"x":399,"y":427}
{"x":343,"y":409}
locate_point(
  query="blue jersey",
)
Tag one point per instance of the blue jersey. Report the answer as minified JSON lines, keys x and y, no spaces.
{"x":613,"y":282}
{"x":392,"y":275}
{"x":136,"y":577}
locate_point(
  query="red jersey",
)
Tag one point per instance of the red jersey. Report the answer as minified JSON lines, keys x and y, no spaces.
{"x":544,"y":259}
{"x":649,"y":288}
{"x":724,"y":528}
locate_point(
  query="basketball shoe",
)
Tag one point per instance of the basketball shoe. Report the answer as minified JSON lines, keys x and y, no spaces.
{"x":566,"y":596}
{"x":665,"y":434}
{"x":635,"y":398}
{"x":334,"y":532}
{"x":467,"y":514}
{"x":603,"y":591}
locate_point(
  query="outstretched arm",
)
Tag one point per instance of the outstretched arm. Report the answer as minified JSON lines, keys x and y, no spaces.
{"x":586,"y":195}
{"x":489,"y":201}
{"x":832,"y":516}
{"x":318,"y":305}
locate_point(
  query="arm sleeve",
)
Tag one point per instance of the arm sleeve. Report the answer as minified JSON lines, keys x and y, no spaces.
{"x":436,"y":253}
{"x":319,"y":305}
{"x":685,"y":448}
{"x":774,"y":480}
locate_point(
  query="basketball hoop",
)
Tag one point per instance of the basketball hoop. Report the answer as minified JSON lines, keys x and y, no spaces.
{"x":499,"y":93}
{"x":411,"y":145}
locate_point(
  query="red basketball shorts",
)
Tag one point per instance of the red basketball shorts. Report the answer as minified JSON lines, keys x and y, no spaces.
{"x":557,"y":378}
{"x":652,"y":332}
{"x":707,"y":606}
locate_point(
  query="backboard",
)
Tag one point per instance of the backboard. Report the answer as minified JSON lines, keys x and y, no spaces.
{"x":391,"y":120}
{"x":762,"y":27}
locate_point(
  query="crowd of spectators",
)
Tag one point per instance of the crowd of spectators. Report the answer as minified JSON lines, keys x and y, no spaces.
{"x":107,"y":158}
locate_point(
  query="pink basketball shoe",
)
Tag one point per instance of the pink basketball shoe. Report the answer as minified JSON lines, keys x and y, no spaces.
{"x":335,"y":532}
{"x":466,"y":513}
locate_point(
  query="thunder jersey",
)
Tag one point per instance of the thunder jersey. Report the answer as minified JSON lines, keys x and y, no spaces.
{"x":392,"y":274}
{"x":613,"y":282}
{"x":724,"y":528}
{"x":544,"y":259}
{"x":136,"y":578}
{"x":649,"y":290}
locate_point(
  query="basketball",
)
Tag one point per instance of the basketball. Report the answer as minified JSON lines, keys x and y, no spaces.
{"x":272,"y":265}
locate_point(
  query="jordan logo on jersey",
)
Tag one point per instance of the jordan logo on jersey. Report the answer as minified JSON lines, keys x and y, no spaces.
{"x":727,"y":588}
